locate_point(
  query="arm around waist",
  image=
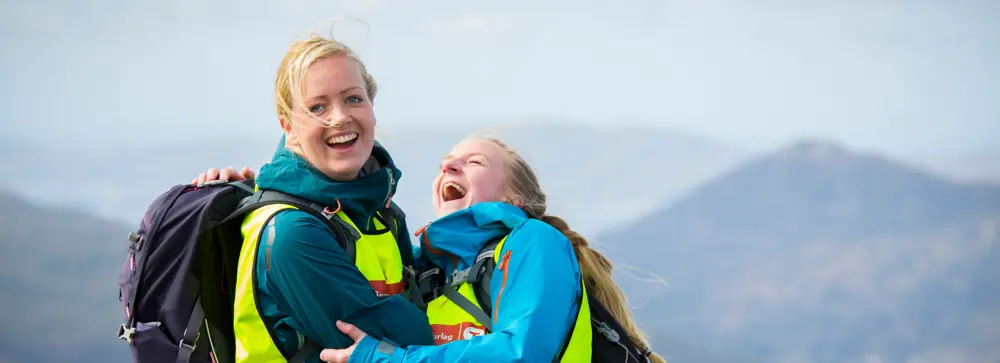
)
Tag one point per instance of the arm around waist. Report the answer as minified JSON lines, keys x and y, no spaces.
{"x":535,"y":291}
{"x":312,"y":280}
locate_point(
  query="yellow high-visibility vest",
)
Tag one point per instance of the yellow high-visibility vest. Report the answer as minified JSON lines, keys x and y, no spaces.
{"x":449,"y":322}
{"x":377,"y":257}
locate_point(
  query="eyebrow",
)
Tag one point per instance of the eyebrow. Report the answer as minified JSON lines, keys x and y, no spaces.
{"x":319,"y":97}
{"x":349,"y":89}
{"x":322,"y":96}
{"x":450,"y":156}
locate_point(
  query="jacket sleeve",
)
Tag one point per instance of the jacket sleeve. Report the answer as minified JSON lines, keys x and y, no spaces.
{"x":535,"y":290}
{"x":312,"y":279}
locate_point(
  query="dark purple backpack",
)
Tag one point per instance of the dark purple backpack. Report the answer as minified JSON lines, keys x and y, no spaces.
{"x":178,"y":280}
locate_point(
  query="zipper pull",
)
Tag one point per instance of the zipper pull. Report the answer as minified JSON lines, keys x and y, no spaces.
{"x":503,"y":261}
{"x":421,"y":230}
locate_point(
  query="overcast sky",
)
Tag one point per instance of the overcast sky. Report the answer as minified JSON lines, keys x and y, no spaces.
{"x":907,"y":76}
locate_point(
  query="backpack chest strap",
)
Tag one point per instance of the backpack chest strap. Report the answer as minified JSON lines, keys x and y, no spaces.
{"x":473,"y":274}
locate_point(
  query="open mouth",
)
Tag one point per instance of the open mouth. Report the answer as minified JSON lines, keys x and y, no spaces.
{"x":452,"y":191}
{"x":342,"y":142}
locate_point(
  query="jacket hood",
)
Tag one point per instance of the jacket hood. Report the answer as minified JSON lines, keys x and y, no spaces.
{"x":453,"y":241}
{"x":360,"y":198}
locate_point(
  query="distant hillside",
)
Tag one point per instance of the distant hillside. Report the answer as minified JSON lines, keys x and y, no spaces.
{"x":69,"y":254}
{"x":818,"y":254}
{"x":58,"y":288}
{"x":976,"y":167}
{"x":582,"y":169}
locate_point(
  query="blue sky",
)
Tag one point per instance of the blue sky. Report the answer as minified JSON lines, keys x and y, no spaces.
{"x":904,"y":76}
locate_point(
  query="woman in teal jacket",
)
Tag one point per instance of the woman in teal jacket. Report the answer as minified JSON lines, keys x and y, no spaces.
{"x":486,"y":191}
{"x":306,"y":281}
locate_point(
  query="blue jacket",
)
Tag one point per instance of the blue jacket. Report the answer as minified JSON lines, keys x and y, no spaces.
{"x":312,"y":283}
{"x":539,"y":302}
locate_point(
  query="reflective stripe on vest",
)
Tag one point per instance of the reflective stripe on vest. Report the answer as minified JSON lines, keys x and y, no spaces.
{"x":449,"y":322}
{"x":377,"y":257}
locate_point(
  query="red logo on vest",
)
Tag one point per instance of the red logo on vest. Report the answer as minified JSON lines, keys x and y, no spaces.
{"x":384,"y":289}
{"x":447,"y":333}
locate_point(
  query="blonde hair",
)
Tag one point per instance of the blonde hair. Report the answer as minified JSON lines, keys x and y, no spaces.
{"x":289,"y":82}
{"x":595,"y":268}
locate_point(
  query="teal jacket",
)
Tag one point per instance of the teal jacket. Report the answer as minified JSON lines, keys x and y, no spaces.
{"x":311,"y":282}
{"x":540,"y":298}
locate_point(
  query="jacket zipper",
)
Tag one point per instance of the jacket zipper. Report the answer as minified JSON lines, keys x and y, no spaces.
{"x":388,"y":193}
{"x":503,"y":266}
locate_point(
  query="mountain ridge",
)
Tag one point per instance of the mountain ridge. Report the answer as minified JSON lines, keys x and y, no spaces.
{"x":58,"y":285}
{"x":838,"y":255}
{"x":738,"y":280}
{"x":119,"y":182}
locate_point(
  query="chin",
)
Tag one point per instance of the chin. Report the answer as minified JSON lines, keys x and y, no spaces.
{"x":443,"y":211}
{"x":454,"y":207}
{"x":343,"y":170}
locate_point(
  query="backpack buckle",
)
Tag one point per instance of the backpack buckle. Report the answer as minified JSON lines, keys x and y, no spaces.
{"x":458,"y":277}
{"x":427,"y":283}
{"x":607,"y":331}
{"x":125,"y":333}
{"x":187,"y":347}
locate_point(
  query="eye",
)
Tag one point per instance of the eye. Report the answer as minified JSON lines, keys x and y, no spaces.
{"x":477,"y":162}
{"x":355,"y":99}
{"x":317,"y":109}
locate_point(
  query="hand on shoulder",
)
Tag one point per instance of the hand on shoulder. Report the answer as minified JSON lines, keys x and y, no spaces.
{"x":227,"y":174}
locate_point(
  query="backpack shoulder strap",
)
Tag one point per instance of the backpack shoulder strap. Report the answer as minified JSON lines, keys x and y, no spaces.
{"x":610,"y":338}
{"x":485,"y":274}
{"x":479,"y":277}
{"x":308,"y":348}
{"x":346,"y":235}
{"x":393,"y":214}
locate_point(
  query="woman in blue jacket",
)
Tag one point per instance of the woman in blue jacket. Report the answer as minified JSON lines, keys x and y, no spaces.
{"x":294,"y":279}
{"x":486,"y":192}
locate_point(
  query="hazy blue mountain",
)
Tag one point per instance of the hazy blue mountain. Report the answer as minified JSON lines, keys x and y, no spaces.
{"x":970,"y":167}
{"x":582,"y":169}
{"x":58,"y":287}
{"x":817,"y":254}
{"x":809,"y":254}
{"x":62,"y":263}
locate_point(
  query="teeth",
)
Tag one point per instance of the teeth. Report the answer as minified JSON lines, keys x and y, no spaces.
{"x":342,"y":138}
{"x":456,"y":186}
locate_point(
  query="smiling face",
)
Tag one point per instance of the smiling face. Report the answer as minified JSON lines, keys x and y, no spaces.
{"x":474,"y":171}
{"x":332,"y":122}
{"x":324,"y":95}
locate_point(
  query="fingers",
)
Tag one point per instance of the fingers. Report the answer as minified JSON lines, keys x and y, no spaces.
{"x":351,"y":331}
{"x":212,"y":174}
{"x":342,"y":355}
{"x":230,"y":174}
{"x":335,"y":355}
{"x":247,"y":173}
{"x":227,"y":174}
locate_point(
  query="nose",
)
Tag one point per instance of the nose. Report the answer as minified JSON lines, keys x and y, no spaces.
{"x":338,"y":117}
{"x":451,"y":167}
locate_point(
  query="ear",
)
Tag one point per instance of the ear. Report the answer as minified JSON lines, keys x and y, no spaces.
{"x":286,"y":125}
